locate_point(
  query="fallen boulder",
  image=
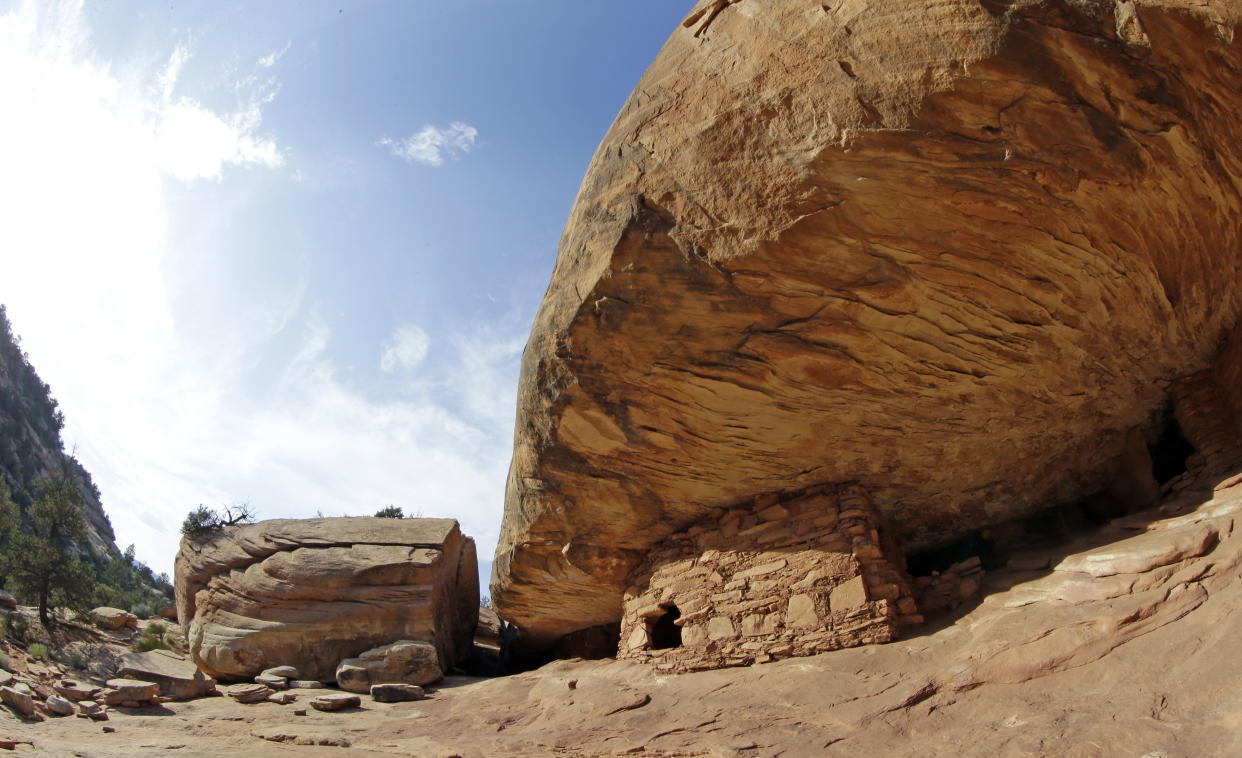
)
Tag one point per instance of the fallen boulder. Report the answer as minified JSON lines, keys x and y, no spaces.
{"x":20,"y":701}
{"x":177,"y":678}
{"x":318,"y":591}
{"x":130,"y":693}
{"x":114,"y":618}
{"x":405,"y":662}
{"x":59,"y":706}
{"x":7,"y":601}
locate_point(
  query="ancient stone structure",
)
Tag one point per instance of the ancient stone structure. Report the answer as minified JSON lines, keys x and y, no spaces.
{"x":313,"y":592}
{"x":776,"y":578}
{"x":955,"y":251}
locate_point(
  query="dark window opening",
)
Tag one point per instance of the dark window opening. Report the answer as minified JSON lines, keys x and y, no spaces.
{"x":1170,"y":451}
{"x":663,"y":631}
{"x":941,"y":557}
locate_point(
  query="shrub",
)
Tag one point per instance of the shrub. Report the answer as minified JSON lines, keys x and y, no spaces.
{"x":390,"y":511}
{"x":203,"y":521}
{"x":151,"y":638}
{"x":16,"y":626}
{"x":37,"y":650}
{"x":142,"y":611}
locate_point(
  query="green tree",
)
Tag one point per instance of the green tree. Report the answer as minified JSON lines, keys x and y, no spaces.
{"x":390,"y":511}
{"x":44,"y":559}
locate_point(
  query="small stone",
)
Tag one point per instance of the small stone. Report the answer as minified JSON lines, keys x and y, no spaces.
{"x":282,"y":698}
{"x":109,"y":729}
{"x":335,"y":702}
{"x":250,"y":693}
{"x":285,"y":672}
{"x":60,"y":706}
{"x":399,"y":693}
{"x":305,"y":684}
{"x":299,"y":711}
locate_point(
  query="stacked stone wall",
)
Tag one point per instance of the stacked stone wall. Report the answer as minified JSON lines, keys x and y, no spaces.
{"x":779,"y":577}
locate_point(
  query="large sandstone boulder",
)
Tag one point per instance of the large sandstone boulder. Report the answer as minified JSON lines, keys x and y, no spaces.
{"x":313,"y":592}
{"x":952,"y":251}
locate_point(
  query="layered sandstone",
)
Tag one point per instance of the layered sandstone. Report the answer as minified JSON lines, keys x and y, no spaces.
{"x":311,"y":593}
{"x":954,"y":251}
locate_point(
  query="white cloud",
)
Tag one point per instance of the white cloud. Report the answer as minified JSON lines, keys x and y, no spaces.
{"x":430,"y":145}
{"x":194,"y":142}
{"x":91,"y":273}
{"x":405,"y":349}
{"x":268,"y":61}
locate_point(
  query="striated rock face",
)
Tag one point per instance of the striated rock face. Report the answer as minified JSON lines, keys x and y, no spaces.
{"x":953,"y":250}
{"x":313,"y":592}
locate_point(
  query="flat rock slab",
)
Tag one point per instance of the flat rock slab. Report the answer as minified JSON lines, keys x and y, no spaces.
{"x":177,"y":678}
{"x":396,"y":693}
{"x":250,"y":693}
{"x":335,"y":702}
{"x":1144,"y":552}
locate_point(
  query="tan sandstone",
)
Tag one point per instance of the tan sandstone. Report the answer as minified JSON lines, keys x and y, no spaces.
{"x":314,"y":592}
{"x":955,"y":251}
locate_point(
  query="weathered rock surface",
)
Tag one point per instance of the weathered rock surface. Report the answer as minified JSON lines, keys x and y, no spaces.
{"x":955,"y":251}
{"x":7,"y":601}
{"x":317,"y":591}
{"x":404,"y":661}
{"x":177,"y":678}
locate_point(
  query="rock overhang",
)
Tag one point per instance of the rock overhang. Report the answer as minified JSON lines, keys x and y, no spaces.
{"x":954,"y":251}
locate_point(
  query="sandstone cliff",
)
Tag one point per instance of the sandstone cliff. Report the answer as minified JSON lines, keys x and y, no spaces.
{"x":310,"y":593}
{"x":954,"y":251}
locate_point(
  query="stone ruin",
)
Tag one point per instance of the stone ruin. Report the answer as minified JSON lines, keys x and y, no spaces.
{"x":775,"y":578}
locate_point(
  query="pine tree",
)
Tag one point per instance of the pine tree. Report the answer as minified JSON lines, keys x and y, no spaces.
{"x":44,"y":560}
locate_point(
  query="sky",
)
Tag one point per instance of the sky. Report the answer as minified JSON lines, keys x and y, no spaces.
{"x":288,"y":253}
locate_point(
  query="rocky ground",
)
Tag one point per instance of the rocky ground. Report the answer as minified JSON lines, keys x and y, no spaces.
{"x":1127,"y":646}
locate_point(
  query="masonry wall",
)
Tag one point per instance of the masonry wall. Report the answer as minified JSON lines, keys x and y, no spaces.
{"x":772,"y":579}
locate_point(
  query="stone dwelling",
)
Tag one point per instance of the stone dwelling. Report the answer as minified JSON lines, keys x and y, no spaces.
{"x":776,"y":578}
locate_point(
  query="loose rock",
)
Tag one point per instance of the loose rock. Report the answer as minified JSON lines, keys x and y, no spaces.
{"x":335,"y":702}
{"x":405,"y":661}
{"x":177,"y":678}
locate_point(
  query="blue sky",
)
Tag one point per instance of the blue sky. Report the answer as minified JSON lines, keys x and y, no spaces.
{"x":288,"y":253}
